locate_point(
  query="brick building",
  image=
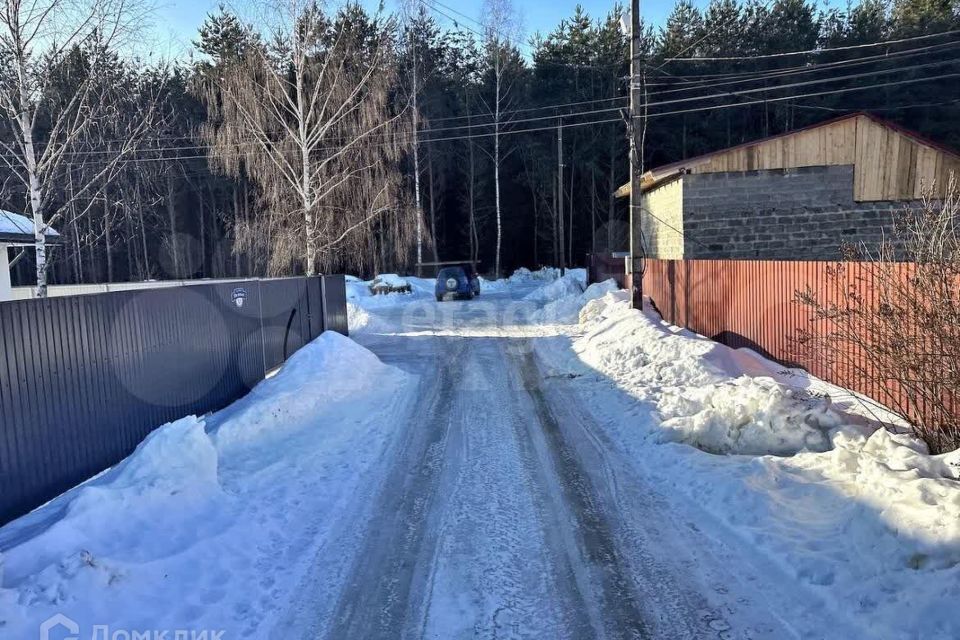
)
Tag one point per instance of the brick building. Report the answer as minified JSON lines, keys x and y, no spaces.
{"x":798,"y":195}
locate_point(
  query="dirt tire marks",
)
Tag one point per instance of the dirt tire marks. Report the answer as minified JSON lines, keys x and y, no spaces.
{"x":642,"y":571}
{"x":616,"y":609}
{"x":382,"y":595}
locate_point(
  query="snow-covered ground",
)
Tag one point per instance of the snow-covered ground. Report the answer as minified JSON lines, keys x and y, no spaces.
{"x":542,"y":462}
{"x":859,"y":514}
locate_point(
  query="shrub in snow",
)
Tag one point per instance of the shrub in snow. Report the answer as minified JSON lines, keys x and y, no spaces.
{"x":389,"y":283}
{"x":895,"y":328}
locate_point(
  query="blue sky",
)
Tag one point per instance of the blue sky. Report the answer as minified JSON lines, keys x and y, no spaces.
{"x":179,"y":20}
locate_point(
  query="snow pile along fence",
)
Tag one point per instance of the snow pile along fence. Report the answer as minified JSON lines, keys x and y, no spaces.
{"x":753,"y":304}
{"x":83,"y":379}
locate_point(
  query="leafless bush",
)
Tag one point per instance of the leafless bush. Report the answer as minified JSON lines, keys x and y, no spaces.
{"x":890,"y":324}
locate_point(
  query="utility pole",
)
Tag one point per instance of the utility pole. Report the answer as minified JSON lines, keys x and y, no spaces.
{"x":636,"y":159}
{"x":563,"y":257}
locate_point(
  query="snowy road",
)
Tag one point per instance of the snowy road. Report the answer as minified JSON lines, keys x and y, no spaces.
{"x":506,"y":512}
{"x":497,"y":469}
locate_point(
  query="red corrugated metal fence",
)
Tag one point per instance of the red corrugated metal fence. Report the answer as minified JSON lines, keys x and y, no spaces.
{"x":752,"y":303}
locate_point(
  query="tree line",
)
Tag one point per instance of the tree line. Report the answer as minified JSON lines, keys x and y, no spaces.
{"x":320,"y":140}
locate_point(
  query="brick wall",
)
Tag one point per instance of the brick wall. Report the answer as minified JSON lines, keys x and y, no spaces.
{"x":786,"y":214}
{"x":662,"y":221}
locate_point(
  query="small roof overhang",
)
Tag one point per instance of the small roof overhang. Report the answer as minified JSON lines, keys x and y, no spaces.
{"x":16,"y":229}
{"x":650,"y":180}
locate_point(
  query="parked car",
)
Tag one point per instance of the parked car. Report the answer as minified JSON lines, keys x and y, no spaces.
{"x":453,"y":282}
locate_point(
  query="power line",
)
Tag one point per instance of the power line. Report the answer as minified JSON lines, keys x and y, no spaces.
{"x":810,"y":95}
{"x":798,"y":71}
{"x":255,"y":142}
{"x":808,"y":65}
{"x":808,"y":51}
{"x":709,"y":33}
{"x":811,"y":82}
{"x":529,"y":109}
{"x":468,"y":136}
{"x":400,"y":139}
{"x":480,"y":116}
{"x":459,"y":13}
{"x":916,"y":105}
{"x":456,"y":22}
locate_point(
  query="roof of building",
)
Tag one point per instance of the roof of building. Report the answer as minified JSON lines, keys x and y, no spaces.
{"x":18,"y":229}
{"x":658,"y":175}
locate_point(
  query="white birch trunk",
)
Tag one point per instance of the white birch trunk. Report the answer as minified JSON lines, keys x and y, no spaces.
{"x":418,"y":207}
{"x":496,"y":169}
{"x":36,"y":200}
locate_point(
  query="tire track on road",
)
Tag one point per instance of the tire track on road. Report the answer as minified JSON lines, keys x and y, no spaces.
{"x":609,"y":594}
{"x":382,"y":595}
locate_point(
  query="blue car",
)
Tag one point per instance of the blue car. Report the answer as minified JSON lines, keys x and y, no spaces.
{"x":453,"y":282}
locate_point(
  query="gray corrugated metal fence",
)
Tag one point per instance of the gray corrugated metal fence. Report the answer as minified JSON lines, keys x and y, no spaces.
{"x":83,"y":379}
{"x":335,"y":311}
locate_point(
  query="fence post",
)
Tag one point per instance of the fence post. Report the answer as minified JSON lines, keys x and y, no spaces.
{"x":263,"y":338}
{"x":323,"y":304}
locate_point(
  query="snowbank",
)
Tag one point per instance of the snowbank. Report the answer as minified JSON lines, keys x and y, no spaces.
{"x":391,"y":288}
{"x":423,"y":287}
{"x":524,"y":275}
{"x":330,"y":368}
{"x":494,"y":286}
{"x":212,"y":522}
{"x":173,"y":472}
{"x":857,"y":513}
{"x":566,"y":309}
{"x":571,"y":284}
{"x":701,"y":398}
{"x":360,"y":320}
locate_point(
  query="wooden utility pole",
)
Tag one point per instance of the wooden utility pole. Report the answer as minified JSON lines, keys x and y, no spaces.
{"x":636,"y":158}
{"x":563,"y":257}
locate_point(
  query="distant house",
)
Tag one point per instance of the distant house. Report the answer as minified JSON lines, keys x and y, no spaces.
{"x":795,"y":196}
{"x":16,"y":231}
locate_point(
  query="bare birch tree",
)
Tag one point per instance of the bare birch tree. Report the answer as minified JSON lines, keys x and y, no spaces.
{"x":501,"y":32}
{"x":411,"y":9}
{"x":41,"y":127}
{"x":308,"y":118}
